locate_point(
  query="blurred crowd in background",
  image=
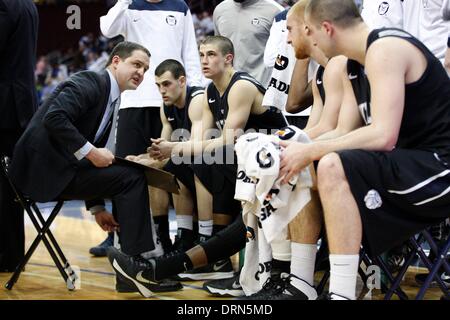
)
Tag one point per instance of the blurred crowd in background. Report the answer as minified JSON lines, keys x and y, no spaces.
{"x":92,"y":50}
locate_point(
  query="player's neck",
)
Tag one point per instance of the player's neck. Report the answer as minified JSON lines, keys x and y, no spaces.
{"x":221,"y":83}
{"x":318,"y":56}
{"x":354,"y":44}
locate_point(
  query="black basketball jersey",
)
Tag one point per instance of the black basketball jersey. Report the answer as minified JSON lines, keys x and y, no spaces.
{"x":270,"y":119}
{"x":179,"y":118}
{"x":361,"y":88}
{"x":426,"y":116}
{"x":319,"y":83}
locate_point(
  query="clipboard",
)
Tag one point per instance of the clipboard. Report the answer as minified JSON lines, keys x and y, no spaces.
{"x":155,"y":177}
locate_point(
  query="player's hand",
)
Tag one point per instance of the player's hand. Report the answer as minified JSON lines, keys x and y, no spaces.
{"x":138,"y":158}
{"x":294,"y":158}
{"x":100,"y":157}
{"x":145,"y":160}
{"x":160,"y":149}
{"x":106,"y":221}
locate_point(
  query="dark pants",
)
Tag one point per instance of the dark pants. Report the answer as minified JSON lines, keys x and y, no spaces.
{"x":135,"y":128}
{"x":127,"y":188}
{"x":12,"y":235}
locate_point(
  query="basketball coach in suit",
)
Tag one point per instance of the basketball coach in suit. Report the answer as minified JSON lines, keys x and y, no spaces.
{"x":18,"y":102}
{"x":62,"y":152}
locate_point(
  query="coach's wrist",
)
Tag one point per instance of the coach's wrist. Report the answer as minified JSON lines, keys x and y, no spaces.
{"x":96,"y":209}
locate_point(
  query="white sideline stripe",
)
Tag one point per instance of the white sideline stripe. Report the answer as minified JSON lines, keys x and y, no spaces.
{"x":89,"y":283}
{"x":422,"y":184}
{"x":433,"y":198}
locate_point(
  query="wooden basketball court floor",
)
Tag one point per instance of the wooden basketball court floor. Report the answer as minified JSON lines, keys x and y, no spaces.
{"x":76,"y":231}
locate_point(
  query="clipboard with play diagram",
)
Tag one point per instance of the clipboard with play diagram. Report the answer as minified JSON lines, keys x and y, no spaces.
{"x":155,"y":177}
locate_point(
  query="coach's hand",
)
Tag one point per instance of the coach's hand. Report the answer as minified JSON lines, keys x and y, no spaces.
{"x":294,"y":158}
{"x":100,"y":157}
{"x":106,"y":221}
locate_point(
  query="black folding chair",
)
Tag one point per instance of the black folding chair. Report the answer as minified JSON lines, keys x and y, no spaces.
{"x":387,"y":283}
{"x":440,"y":263}
{"x":44,"y":234}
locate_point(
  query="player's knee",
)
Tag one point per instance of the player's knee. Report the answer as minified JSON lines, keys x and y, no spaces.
{"x":329,"y":171}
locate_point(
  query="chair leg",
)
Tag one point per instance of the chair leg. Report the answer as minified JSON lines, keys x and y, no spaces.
{"x":64,"y":267}
{"x":434,"y":271}
{"x":42,"y":235}
{"x":395,"y":282}
{"x":72,"y":277}
{"x":435,"y":249}
{"x":384,"y":287}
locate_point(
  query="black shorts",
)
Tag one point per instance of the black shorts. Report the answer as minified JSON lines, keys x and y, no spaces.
{"x":135,"y":127}
{"x":219,"y":178}
{"x":184,"y":173}
{"x":398,"y":193}
{"x":298,"y":121}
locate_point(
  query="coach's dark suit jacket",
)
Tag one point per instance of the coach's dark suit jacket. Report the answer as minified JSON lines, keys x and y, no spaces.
{"x":43,"y":163}
{"x":18,"y":36}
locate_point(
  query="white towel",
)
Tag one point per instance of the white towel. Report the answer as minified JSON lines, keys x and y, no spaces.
{"x":267,"y":206}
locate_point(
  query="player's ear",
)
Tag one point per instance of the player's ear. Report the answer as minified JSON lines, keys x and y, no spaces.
{"x":328,"y":27}
{"x":229,"y":58}
{"x":182,"y":81}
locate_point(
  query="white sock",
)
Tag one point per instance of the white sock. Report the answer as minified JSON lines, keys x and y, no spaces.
{"x":343,"y":274}
{"x":185,"y":222}
{"x":205,"y":227}
{"x":281,"y":250}
{"x":303,"y":261}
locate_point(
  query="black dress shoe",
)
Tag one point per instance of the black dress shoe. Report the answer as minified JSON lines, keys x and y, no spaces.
{"x":139,"y":273}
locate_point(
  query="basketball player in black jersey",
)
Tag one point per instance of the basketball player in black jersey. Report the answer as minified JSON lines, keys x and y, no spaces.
{"x":384,"y":182}
{"x":182,"y":103}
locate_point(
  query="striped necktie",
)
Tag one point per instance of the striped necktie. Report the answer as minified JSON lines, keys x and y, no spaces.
{"x":111,"y":142}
